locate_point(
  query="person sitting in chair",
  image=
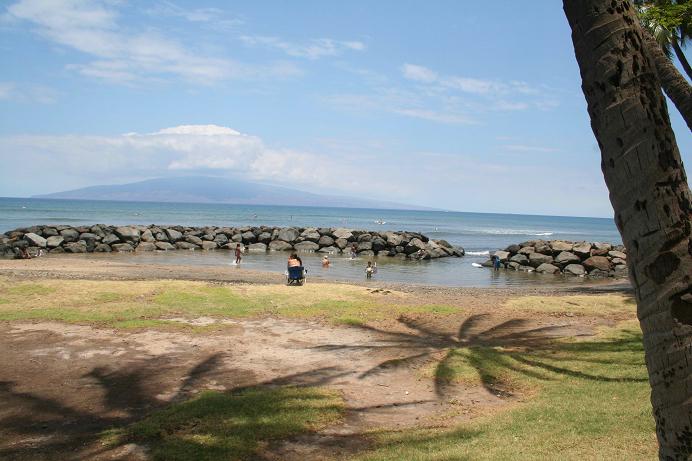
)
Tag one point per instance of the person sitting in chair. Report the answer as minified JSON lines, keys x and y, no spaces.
{"x":294,"y":260}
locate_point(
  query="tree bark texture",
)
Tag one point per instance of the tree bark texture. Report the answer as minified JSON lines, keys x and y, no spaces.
{"x":652,"y":202}
{"x":674,"y":84}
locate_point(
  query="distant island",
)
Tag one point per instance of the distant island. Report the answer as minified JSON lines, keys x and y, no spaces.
{"x":205,"y":189}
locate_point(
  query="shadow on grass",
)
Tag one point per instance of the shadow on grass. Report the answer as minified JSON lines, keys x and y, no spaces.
{"x":497,"y":354}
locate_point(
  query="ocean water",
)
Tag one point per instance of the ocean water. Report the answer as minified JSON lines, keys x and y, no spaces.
{"x":478,"y":233}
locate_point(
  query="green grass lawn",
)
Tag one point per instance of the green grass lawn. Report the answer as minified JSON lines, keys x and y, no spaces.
{"x":148,"y":304}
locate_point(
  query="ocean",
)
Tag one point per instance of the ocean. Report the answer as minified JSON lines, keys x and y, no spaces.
{"x":477,"y":233}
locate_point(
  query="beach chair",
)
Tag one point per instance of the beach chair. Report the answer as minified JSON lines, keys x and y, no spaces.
{"x":296,"y":275}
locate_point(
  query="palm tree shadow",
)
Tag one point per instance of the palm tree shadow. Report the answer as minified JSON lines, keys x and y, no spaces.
{"x":512,"y":346}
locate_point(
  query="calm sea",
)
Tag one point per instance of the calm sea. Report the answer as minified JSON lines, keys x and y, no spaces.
{"x":478,"y":233}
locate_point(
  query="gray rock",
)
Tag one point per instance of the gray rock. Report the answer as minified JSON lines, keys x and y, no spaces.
{"x":206,"y":245}
{"x":603,"y":246}
{"x":414,"y":246}
{"x":186,"y":246}
{"x":279,"y":245}
{"x":54,"y":241}
{"x":306,"y":246}
{"x":526,"y":250}
{"x":364,"y":246}
{"x":88,"y":236}
{"x":325,"y":241}
{"x":237,"y":238}
{"x":330,"y":250}
{"x":560,"y":245}
{"x":574,"y":269}
{"x":248,"y":237}
{"x":365,"y":237}
{"x":56,"y":250}
{"x":264,"y":237}
{"x":146,"y":246}
{"x":513,"y":265}
{"x":173,"y":235}
{"x":122,"y":247}
{"x":393,"y":239}
{"x":379,"y":244}
{"x":503,"y":255}
{"x":617,"y":261}
{"x":221,"y":239}
{"x":617,"y":254}
{"x":257,"y":247}
{"x":519,"y":259}
{"x":620,"y":270}
{"x":35,"y":240}
{"x":75,"y":247}
{"x":161,"y":236}
{"x":147,"y":236}
{"x":102,"y":248}
{"x":526,"y":269}
{"x":536,"y":259}
{"x":209,"y":237}
{"x":341,"y":243}
{"x":341,"y":233}
{"x":366,"y":253}
{"x":194,"y":240}
{"x":513,"y":249}
{"x":110,"y":239}
{"x":311,"y":235}
{"x":70,"y":235}
{"x":165,"y":246}
{"x":288,"y":234}
{"x":487,"y":263}
{"x":565,"y":257}
{"x":597,"y":262}
{"x":49,"y":232}
{"x":547,"y":269}
{"x":582,"y":249}
{"x":543,"y":247}
{"x":599,"y":273}
{"x":127,"y":233}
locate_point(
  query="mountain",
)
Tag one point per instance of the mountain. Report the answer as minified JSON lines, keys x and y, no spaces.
{"x":204,"y":189}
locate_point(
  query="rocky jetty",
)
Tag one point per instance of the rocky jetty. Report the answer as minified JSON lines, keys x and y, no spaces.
{"x":104,"y":238}
{"x":560,"y":257}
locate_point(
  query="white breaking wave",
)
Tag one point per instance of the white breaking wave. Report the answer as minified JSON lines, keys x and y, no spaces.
{"x":514,"y":232}
{"x":478,"y":253}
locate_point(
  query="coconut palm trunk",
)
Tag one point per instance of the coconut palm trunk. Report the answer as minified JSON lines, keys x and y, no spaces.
{"x":674,"y":84}
{"x":681,"y":57}
{"x":652,"y":202}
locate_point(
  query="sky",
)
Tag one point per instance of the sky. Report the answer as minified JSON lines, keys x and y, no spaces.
{"x":447,"y":104}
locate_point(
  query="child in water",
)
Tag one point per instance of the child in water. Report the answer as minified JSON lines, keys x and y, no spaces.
{"x":369,"y":270}
{"x":238,"y":254}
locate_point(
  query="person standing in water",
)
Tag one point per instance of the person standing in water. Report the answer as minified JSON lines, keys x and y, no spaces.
{"x":238,"y":254}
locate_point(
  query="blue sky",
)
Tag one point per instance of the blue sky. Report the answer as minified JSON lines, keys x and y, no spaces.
{"x":455,"y":105}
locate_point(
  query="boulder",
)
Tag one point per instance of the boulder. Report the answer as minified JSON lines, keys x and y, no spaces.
{"x":165,"y":246}
{"x":582,"y":249}
{"x":503,"y":255}
{"x":597,"y":262}
{"x":341,"y":243}
{"x":264,"y":237}
{"x":325,"y":241}
{"x":173,"y":235}
{"x":88,"y":236}
{"x":57,"y":250}
{"x":330,"y":250}
{"x":620,"y":270}
{"x":288,"y":234}
{"x":364,"y":246}
{"x":341,"y":233}
{"x":122,"y":247}
{"x":147,"y":236}
{"x":75,"y":247}
{"x":366,"y":253}
{"x":248,"y":237}
{"x":617,"y":254}
{"x":257,"y":247}
{"x":513,"y":265}
{"x":110,"y":239}
{"x":54,"y":241}
{"x":599,"y":273}
{"x":146,"y":246}
{"x":519,"y":259}
{"x":181,"y":245}
{"x":543,"y":247}
{"x":207,"y":245}
{"x":574,"y":269}
{"x":599,"y":252}
{"x":526,"y":250}
{"x":560,"y":246}
{"x":365,"y":237}
{"x":70,"y":235}
{"x":414,"y":246}
{"x":393,"y":239}
{"x":603,"y":246}
{"x":35,"y":240}
{"x":127,"y":233}
{"x":525,"y":269}
{"x":487,"y":263}
{"x":193,"y":239}
{"x":379,"y":244}
{"x":209,"y":237}
{"x":237,"y":238}
{"x":311,"y":235}
{"x":513,"y":249}
{"x":536,"y":259}
{"x":161,"y":236}
{"x":49,"y":232}
{"x":565,"y":257}
{"x":306,"y":246}
{"x":221,"y":239}
{"x":547,"y":269}
{"x":279,"y":245}
{"x":617,"y":261}
{"x":102,"y":248}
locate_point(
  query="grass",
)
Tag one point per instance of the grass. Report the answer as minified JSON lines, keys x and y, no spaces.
{"x":231,"y":426}
{"x":577,"y":304}
{"x":148,"y":304}
{"x":588,"y":400}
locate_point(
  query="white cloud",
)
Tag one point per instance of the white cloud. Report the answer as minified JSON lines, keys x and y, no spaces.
{"x":127,"y":56}
{"x":312,"y":49}
{"x":418,"y":73}
{"x":25,"y":92}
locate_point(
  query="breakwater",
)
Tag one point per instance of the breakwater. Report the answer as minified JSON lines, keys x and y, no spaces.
{"x":592,"y":259}
{"x":105,"y":238}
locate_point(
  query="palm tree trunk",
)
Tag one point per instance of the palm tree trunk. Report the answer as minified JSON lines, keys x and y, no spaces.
{"x":681,"y":57}
{"x":648,"y":190}
{"x":672,"y":81}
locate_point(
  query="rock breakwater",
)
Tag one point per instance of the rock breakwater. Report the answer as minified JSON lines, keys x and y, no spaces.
{"x":592,"y":259}
{"x":106,"y":238}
